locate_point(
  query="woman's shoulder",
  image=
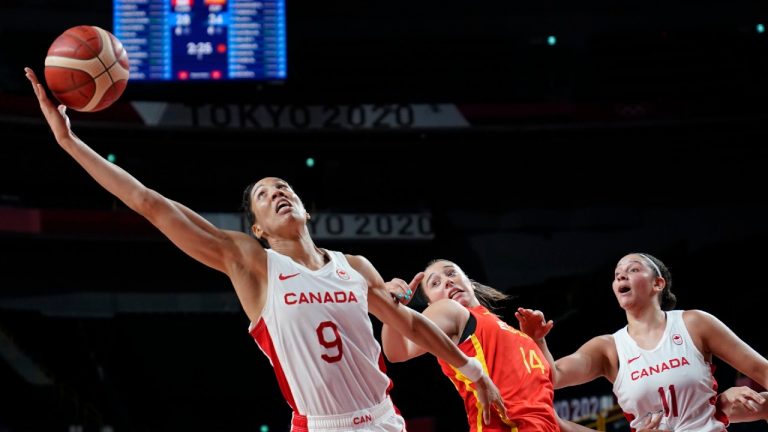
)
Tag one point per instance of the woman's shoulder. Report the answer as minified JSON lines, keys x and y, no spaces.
{"x":603,"y":343}
{"x":697,"y":318}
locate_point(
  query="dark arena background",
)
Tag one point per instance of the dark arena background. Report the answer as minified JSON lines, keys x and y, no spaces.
{"x":533,"y":143}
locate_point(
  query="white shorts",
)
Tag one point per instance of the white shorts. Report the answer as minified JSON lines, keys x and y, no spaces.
{"x":380,"y":418}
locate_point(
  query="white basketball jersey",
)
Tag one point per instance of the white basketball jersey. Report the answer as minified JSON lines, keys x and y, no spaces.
{"x":316,"y":332}
{"x":672,"y":379}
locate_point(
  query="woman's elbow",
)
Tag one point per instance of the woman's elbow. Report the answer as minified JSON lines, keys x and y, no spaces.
{"x":145,"y":201}
{"x":557,"y":379}
{"x":394,"y":356}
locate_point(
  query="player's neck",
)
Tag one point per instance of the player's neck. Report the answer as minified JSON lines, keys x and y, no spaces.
{"x":303,"y":252}
{"x":646,"y":322}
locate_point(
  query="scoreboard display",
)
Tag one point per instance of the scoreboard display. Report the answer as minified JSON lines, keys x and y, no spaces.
{"x":203,"y":40}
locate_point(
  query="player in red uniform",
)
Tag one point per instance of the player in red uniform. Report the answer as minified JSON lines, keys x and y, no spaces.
{"x":460,"y":307}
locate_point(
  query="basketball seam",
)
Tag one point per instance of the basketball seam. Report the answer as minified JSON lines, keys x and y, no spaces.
{"x":69,"y":89}
{"x":107,"y":46}
{"x":109,"y":68}
{"x":85,"y":44}
{"x":97,"y":55}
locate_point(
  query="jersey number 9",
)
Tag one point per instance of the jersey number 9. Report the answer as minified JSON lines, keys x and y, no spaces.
{"x":333,"y":344}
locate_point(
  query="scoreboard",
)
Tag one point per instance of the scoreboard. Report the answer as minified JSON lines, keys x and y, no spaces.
{"x":203,"y":40}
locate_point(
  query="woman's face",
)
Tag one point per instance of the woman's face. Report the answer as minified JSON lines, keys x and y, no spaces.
{"x":635,"y":282}
{"x":444,"y":279}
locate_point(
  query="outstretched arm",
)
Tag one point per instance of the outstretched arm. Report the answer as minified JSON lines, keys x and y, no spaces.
{"x":219,"y":249}
{"x":425,"y":333}
{"x":586,"y":364}
{"x":188,"y":230}
{"x":590,"y":361}
{"x":397,"y":347}
{"x":449,"y":316}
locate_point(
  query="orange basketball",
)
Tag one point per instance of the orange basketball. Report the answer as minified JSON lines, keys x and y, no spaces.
{"x":86,"y":68}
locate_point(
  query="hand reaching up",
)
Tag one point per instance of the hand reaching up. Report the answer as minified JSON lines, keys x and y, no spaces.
{"x":404,"y":292}
{"x":533,"y":323}
{"x":56,"y":117}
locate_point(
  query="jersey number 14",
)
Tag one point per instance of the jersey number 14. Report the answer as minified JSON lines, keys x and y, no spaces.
{"x":532,"y":362}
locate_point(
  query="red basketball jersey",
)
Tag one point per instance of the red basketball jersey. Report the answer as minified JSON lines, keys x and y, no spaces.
{"x":517,"y":367}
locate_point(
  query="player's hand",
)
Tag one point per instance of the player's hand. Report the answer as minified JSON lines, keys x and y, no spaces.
{"x":489,"y":396}
{"x":56,"y":117}
{"x":651,"y":423}
{"x":743,"y":398}
{"x":533,"y":323}
{"x":401,"y":291}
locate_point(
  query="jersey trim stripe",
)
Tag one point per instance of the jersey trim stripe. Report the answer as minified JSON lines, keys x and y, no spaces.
{"x":260,"y":334}
{"x":479,"y":355}
{"x":720,"y":415}
{"x":383,"y":369}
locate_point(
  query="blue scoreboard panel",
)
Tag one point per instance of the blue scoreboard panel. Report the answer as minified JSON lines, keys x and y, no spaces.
{"x":203,"y":40}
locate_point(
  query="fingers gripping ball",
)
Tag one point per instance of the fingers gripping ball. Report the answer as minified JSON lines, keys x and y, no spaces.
{"x":86,"y":68}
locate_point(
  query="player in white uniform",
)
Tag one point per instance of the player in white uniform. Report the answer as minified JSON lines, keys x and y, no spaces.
{"x":309,"y":306}
{"x":321,"y":369}
{"x":686,"y":388}
{"x":661,"y":362}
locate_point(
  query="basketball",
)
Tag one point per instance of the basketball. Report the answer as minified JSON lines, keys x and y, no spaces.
{"x":86,"y":68}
